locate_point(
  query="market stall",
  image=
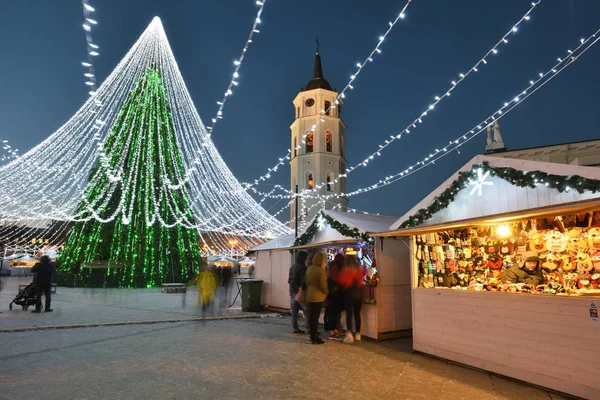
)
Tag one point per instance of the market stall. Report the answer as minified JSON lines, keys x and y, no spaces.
{"x":387,"y":292}
{"x":246,"y":265}
{"x":505,"y":271}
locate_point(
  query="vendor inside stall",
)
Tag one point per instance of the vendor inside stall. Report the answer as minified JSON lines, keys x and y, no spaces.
{"x":557,"y":255}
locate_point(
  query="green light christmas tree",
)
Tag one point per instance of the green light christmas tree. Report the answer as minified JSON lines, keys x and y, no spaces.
{"x":132,"y":251}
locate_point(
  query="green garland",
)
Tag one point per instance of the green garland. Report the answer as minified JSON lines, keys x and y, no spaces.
{"x":344,"y":229}
{"x":514,"y":176}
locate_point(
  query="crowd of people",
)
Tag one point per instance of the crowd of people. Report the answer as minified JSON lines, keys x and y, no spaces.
{"x":337,"y":286}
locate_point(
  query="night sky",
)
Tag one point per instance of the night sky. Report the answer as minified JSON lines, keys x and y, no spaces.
{"x":42,"y":82}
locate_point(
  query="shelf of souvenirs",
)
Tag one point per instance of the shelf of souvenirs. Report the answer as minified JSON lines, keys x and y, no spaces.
{"x":492,"y":258}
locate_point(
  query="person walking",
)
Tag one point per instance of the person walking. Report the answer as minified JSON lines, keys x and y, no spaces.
{"x":296,"y":280}
{"x":316,"y":293}
{"x":352,"y":281}
{"x":43,"y":272}
{"x":334,"y":298}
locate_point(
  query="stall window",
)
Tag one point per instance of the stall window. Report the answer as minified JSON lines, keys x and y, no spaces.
{"x":310,"y":141}
{"x":329,"y":141}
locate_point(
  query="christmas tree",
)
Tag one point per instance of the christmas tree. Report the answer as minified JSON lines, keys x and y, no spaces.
{"x":143,"y":234}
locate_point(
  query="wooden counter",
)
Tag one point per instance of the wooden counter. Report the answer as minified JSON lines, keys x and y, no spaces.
{"x":547,"y":340}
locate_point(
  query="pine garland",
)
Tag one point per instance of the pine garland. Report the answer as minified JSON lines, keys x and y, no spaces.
{"x":514,"y":176}
{"x":344,"y":229}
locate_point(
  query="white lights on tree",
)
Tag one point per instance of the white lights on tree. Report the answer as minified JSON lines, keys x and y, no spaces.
{"x":480,"y":182}
{"x":58,"y":170}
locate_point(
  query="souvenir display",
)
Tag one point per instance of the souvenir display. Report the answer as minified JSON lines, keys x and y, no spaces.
{"x":563,"y":254}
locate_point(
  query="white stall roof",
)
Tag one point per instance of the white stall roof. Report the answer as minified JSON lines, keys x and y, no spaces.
{"x":500,"y":196}
{"x":363,"y":222}
{"x":281,"y":242}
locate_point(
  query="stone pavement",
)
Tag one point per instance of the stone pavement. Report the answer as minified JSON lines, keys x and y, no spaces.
{"x":93,"y":306}
{"x":251,"y":359}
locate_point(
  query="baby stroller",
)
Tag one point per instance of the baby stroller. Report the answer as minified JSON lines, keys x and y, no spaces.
{"x":25,"y":298}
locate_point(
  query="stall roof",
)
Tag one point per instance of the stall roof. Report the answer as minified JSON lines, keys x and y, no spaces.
{"x":363,"y":222}
{"x":566,"y":170}
{"x":281,"y":242}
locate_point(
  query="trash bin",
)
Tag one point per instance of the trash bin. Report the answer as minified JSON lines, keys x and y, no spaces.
{"x":251,"y":294}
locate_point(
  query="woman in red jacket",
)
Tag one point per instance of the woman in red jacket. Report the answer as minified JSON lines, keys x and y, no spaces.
{"x":351,"y":281}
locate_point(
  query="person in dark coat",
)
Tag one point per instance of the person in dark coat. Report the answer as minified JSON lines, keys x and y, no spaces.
{"x":529,"y":272}
{"x":296,"y":280}
{"x":334,"y":298}
{"x":43,"y":271}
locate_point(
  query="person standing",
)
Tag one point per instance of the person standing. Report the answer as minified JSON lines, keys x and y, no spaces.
{"x":316,"y":293}
{"x":334,"y":298}
{"x":296,"y":280}
{"x":43,"y":272}
{"x":352,"y":283}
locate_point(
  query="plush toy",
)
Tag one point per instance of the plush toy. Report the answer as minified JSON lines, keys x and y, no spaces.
{"x":551,"y":262}
{"x":583,"y":262}
{"x":494,"y":262}
{"x":596,"y":261}
{"x":567,"y":263}
{"x":594,"y":239}
{"x":571,"y":280}
{"x":556,"y":241}
{"x":584,"y":281}
{"x":536,"y":243}
{"x":506,"y":247}
{"x":555,"y":276}
{"x":595,"y":280}
{"x":594,"y":221}
{"x":490,"y":247}
{"x":574,"y":237}
{"x":467,"y":252}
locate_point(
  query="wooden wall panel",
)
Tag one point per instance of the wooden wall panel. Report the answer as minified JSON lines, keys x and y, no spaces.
{"x":547,"y":340}
{"x":262,"y":270}
{"x":280,"y":267}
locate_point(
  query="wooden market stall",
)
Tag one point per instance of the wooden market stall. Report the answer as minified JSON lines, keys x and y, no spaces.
{"x":473,"y":301}
{"x":387,"y":310}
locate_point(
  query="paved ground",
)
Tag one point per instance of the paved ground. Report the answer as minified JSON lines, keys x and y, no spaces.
{"x":84,"y":306}
{"x":250,"y":359}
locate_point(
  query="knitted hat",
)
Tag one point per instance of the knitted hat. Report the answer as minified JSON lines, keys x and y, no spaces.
{"x":530,"y":256}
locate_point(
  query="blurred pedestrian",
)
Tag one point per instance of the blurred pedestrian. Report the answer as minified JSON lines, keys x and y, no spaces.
{"x":207,"y":284}
{"x":226,"y":276}
{"x":352,"y":282}
{"x":296,"y":280}
{"x":334,"y":298}
{"x":43,"y":271}
{"x":316,"y":293}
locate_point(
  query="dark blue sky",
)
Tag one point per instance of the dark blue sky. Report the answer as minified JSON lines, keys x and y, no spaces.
{"x":41,"y":79}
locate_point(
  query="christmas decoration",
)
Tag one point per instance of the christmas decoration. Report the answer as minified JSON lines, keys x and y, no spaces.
{"x":479,"y":182}
{"x":344,"y":229}
{"x":141,"y":251}
{"x":59,"y":171}
{"x":511,"y":175}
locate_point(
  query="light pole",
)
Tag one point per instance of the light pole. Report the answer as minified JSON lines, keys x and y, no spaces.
{"x":232,"y":243}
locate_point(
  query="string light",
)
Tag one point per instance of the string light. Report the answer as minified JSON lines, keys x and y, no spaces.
{"x":340,"y":96}
{"x":437,"y":99}
{"x":220,"y":207}
{"x":238,"y":64}
{"x":91,"y":46}
{"x":461,"y":140}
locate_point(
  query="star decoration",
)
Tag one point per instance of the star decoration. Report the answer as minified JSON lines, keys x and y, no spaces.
{"x":481,"y":180}
{"x":321,"y":222}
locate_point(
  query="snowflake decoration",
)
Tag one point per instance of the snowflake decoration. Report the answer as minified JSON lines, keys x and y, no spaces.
{"x":321,"y":222}
{"x":481,"y":180}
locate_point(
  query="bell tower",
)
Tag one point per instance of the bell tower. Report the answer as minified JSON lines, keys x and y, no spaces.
{"x":318,"y":159}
